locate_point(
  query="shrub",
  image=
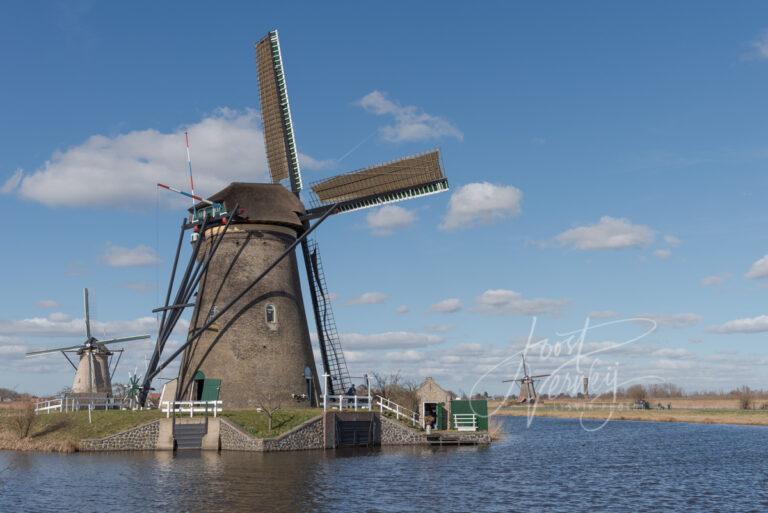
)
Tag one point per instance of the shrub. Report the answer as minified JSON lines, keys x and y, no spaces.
{"x":746,"y":398}
{"x":22,"y":421}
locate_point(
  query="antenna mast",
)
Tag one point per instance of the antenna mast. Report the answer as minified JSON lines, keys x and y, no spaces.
{"x":189,"y":165}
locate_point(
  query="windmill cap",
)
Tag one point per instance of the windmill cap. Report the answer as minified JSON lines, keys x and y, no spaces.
{"x":262,"y":203}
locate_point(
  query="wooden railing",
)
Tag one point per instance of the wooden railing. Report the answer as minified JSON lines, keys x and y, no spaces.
{"x":191,"y":407}
{"x":465,"y":421}
{"x":399,"y":411}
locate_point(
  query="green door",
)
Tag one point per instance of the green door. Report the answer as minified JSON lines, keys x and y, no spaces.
{"x":442,"y":417}
{"x":211,"y":389}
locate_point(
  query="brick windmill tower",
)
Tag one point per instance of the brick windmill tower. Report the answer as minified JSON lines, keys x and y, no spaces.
{"x":249,"y":336}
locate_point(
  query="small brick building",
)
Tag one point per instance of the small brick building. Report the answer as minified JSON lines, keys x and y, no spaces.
{"x":434,"y":402}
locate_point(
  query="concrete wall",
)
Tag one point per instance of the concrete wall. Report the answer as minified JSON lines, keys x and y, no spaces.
{"x":143,"y":437}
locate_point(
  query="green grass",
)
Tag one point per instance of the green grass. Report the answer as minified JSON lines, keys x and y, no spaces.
{"x":257,"y":423}
{"x":63,"y":431}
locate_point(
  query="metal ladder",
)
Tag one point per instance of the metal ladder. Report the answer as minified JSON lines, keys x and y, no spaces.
{"x":337,"y":364}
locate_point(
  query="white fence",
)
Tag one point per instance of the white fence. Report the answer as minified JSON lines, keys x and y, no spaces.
{"x":351,"y":402}
{"x":75,"y":403}
{"x":191,"y":407}
{"x":48,"y":406}
{"x":399,"y":411}
{"x":465,"y":421}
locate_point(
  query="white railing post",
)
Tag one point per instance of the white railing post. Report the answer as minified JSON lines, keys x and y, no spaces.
{"x":325,"y":391}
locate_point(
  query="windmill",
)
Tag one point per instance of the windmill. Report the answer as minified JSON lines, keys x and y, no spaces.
{"x":92,"y":373}
{"x":249,"y":332}
{"x":527,"y":388}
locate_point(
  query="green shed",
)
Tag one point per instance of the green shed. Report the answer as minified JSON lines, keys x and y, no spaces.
{"x":466,"y":414}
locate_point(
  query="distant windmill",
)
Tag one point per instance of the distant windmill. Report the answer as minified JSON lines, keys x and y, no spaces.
{"x":92,"y":373}
{"x":249,"y":332}
{"x":527,"y":388}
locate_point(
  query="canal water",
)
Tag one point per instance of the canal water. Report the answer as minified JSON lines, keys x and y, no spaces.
{"x":553,"y":465}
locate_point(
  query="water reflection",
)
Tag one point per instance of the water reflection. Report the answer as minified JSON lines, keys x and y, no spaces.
{"x":554,"y":466}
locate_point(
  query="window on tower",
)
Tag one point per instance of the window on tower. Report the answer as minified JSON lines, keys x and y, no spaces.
{"x":271,"y":314}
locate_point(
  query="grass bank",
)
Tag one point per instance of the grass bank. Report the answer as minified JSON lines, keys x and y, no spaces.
{"x":257,"y":423}
{"x":699,"y":416}
{"x":62,"y":432}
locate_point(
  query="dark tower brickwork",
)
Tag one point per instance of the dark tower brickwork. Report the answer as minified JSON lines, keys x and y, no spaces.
{"x":263,"y":353}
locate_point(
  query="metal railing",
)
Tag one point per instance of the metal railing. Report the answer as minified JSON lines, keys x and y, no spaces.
{"x":399,"y":411}
{"x":465,"y":421}
{"x":191,"y":407}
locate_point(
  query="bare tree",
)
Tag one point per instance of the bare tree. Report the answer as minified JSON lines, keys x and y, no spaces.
{"x":637,"y":392}
{"x":394,"y":388}
{"x":269,"y":402}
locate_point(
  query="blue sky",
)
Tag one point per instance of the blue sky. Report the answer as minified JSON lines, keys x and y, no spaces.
{"x":603,"y":158}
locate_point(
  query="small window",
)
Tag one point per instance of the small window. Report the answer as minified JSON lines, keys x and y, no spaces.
{"x":212,"y":313}
{"x":271,"y":314}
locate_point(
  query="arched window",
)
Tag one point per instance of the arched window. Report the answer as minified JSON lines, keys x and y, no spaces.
{"x":271,"y":313}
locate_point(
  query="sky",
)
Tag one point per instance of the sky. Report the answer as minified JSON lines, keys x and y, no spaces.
{"x":606,"y":161}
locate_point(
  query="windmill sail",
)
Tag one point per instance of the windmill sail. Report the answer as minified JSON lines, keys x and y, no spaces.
{"x":279,"y":140}
{"x":399,"y":180}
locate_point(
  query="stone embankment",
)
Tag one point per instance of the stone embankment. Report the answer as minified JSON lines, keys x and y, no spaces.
{"x":316,"y":433}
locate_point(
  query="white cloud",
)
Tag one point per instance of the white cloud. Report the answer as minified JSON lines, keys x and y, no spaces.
{"x":481,"y":203}
{"x":385,"y":220}
{"x":715,"y":279}
{"x":12,"y":182}
{"x":757,"y":324}
{"x":118,"y":256}
{"x":670,"y":352}
{"x":662,"y":254}
{"x":451,"y":305}
{"x":61,"y":325}
{"x":405,"y":356}
{"x":123,"y":170}
{"x":389,"y":340}
{"x":667,"y":364}
{"x":672,"y":240}
{"x":402,"y":310}
{"x":682,"y":320}
{"x":47,"y":303}
{"x":142,"y":287}
{"x":59,"y":317}
{"x":760,"y":46}
{"x":603,"y":314}
{"x":501,"y":301}
{"x":608,"y":233}
{"x":369,"y":298}
{"x":759,"y":269}
{"x":410,"y":122}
